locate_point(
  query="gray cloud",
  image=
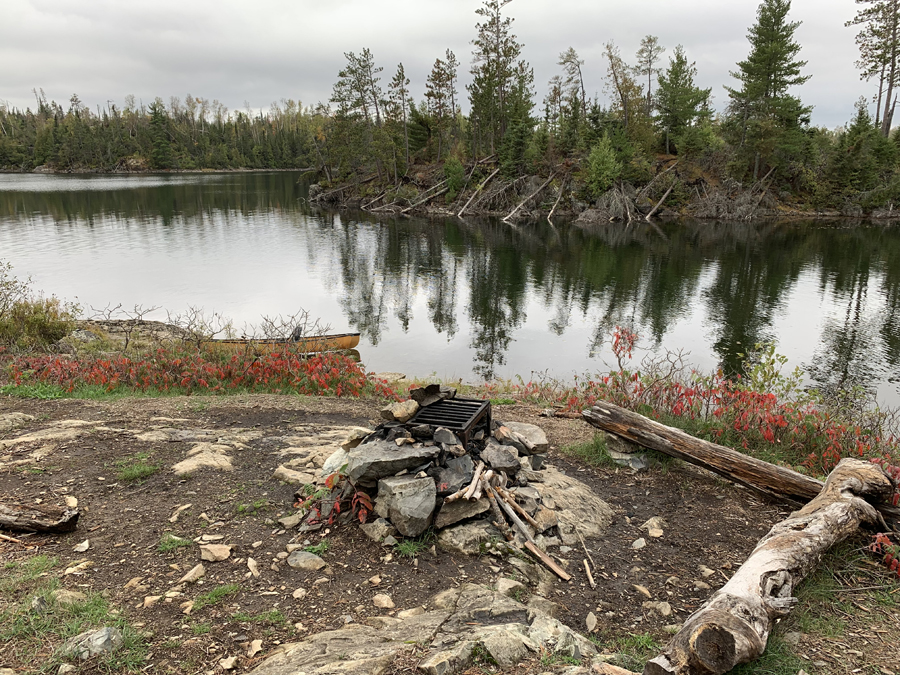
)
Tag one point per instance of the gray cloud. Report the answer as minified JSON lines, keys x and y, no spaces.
{"x":260,"y":52}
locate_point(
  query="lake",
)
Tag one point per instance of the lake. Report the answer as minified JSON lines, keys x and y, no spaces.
{"x":473,"y":298}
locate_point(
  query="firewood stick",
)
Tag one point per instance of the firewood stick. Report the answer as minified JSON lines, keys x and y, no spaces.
{"x":544,"y":558}
{"x":587,"y":568}
{"x":508,"y":498}
{"x":584,"y":546}
{"x":485,"y":479}
{"x":515,"y":520}
{"x":456,"y":495}
{"x":3,"y":537}
{"x":499,"y":520}
{"x":474,"y":485}
{"x":524,"y":441}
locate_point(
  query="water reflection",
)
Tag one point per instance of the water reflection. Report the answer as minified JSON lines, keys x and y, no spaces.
{"x":475,"y":297}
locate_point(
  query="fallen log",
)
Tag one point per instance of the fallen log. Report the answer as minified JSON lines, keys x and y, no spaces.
{"x":36,"y":518}
{"x":530,"y":197}
{"x":733,"y":626}
{"x":773,"y":481}
{"x":480,"y":188}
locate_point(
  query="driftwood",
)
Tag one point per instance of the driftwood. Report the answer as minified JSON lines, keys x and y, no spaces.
{"x":530,"y":197}
{"x":660,"y":203}
{"x":426,"y":199}
{"x":734,"y":624}
{"x":559,"y":197}
{"x":35,"y":518}
{"x":773,"y":481}
{"x":480,"y":188}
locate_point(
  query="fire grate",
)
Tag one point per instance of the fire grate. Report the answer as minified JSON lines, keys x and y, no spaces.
{"x":459,"y":415}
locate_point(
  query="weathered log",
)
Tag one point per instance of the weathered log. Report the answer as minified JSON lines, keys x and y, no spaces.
{"x":530,"y":197}
{"x":36,"y":518}
{"x":773,"y":481}
{"x":480,"y":188}
{"x":733,"y":626}
{"x":754,"y":473}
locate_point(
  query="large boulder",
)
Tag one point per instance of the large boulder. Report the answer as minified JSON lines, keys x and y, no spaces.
{"x":533,"y":433}
{"x":371,"y":462}
{"x":501,"y":458}
{"x":408,"y":502}
{"x":578,"y":509}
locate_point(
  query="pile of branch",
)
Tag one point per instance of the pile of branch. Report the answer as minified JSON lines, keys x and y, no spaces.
{"x":508,"y":516}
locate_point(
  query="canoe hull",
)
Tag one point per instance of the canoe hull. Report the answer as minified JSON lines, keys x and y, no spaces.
{"x":308,"y":345}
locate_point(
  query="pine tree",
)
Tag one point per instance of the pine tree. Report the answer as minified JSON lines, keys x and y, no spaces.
{"x":769,"y":119}
{"x":398,"y":98}
{"x":879,"y":46}
{"x":647,"y":57}
{"x":161,"y":154}
{"x":679,"y":101}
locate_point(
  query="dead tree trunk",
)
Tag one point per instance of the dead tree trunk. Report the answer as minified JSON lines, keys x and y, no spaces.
{"x":33,"y":518}
{"x":734,"y":624}
{"x":773,"y":481}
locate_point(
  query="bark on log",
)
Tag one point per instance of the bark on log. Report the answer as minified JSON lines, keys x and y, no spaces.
{"x":34,"y":518}
{"x":769,"y":479}
{"x":733,"y":625}
{"x":480,"y":188}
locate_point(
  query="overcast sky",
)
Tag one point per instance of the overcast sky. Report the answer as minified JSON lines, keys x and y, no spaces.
{"x":266,"y":50}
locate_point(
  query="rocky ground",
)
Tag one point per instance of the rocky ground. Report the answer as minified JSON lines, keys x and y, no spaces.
{"x":149,"y":520}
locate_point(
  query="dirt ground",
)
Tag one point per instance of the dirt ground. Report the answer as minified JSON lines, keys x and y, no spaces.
{"x":711,"y":527}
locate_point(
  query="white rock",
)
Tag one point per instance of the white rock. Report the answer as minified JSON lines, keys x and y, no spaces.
{"x":253,"y":567}
{"x":196,"y":573}
{"x":254,"y":649}
{"x":383,"y":601}
{"x":639,"y":544}
{"x":215,"y":552}
{"x":591,"y":622}
{"x":72,"y":503}
{"x":300,"y":593}
{"x":228,"y":664}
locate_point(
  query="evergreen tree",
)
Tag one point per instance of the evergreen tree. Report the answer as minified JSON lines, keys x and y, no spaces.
{"x":647,"y":57}
{"x":161,"y":155}
{"x":770,"y":121}
{"x":679,"y":101}
{"x":879,"y":46}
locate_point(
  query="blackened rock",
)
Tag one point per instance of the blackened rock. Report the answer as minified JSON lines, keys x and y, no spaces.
{"x":442,"y":435}
{"x":423,"y":431}
{"x":458,"y":473}
{"x":461,"y":509}
{"x":431,"y":394}
{"x":501,"y":458}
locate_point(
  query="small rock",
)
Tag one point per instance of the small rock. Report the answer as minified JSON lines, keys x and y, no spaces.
{"x":390,"y":540}
{"x":299,"y":594}
{"x":286,"y":475}
{"x":664,"y":609}
{"x":501,"y":458}
{"x":66,"y":598}
{"x":705,"y":572}
{"x":409,"y":613}
{"x":83,"y":546}
{"x":378,"y":530}
{"x":306,"y":561}
{"x":355,"y":436}
{"x":431,"y":394}
{"x":442,"y":435}
{"x":253,"y":567}
{"x":215,"y":552}
{"x":187,"y":607}
{"x":400,"y":412}
{"x":72,"y":503}
{"x":643,"y":590}
{"x":254,"y":649}
{"x":460,"y":510}
{"x":292,"y":521}
{"x":591,"y":622}
{"x":701,"y":586}
{"x":151,"y":600}
{"x":64,"y":668}
{"x":510,"y":588}
{"x":228,"y":664}
{"x":93,"y":642}
{"x":196,"y":573}
{"x":383,"y":601}
{"x":375,"y":580}
{"x":639,"y":544}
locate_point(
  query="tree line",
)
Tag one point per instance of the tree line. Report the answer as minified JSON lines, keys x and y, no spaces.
{"x":372,"y":125}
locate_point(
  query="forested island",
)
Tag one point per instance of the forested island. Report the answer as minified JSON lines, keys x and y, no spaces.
{"x":657,"y":148}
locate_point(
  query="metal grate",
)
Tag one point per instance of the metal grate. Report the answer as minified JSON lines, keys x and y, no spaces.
{"x":459,"y":415}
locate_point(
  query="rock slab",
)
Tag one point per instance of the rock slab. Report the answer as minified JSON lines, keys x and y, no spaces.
{"x":371,"y":462}
{"x":408,"y":502}
{"x":93,"y":642}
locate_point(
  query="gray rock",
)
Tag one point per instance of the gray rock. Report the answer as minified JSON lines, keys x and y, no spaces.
{"x":378,"y":530}
{"x":306,"y":561}
{"x":510,"y":587}
{"x":426,"y":396}
{"x":291,"y":477}
{"x":64,"y":669}
{"x":501,"y":458}
{"x":537,"y":462}
{"x":400,"y":412}
{"x":453,"y":660}
{"x":578,"y":509}
{"x":408,"y":502}
{"x":457,"y":474}
{"x":442,"y":435}
{"x":460,"y":510}
{"x":635,"y":461}
{"x":355,"y":436}
{"x":373,"y":461}
{"x":93,"y":642}
{"x":541,"y":605}
{"x":292,"y":521}
{"x":468,"y":538}
{"x":507,"y":646}
{"x":533,"y":433}
{"x":335,"y":461}
{"x":621,"y":445}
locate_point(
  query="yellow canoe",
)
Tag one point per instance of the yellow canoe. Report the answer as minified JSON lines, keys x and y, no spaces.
{"x":306,"y":345}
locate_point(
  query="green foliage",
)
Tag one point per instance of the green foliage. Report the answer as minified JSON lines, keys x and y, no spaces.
{"x":169,"y":542}
{"x":679,"y":101}
{"x":215,"y":596}
{"x":603,"y":168}
{"x":455,"y":174}
{"x":135,"y":468}
{"x":319,"y":549}
{"x":514,"y":147}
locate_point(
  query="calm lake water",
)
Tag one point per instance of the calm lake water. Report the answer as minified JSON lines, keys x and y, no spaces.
{"x":466,"y":298}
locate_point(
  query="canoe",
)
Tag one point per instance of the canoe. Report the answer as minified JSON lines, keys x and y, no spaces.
{"x":306,"y":345}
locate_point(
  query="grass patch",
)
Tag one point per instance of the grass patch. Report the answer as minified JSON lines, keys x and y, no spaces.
{"x":634,"y":650}
{"x":216,"y":595}
{"x":410,"y":548}
{"x":318,"y":549}
{"x":170,"y":542}
{"x":274,"y":617}
{"x":593,"y":452}
{"x":135,"y":468}
{"x":201,"y":628}
{"x":33,"y":637}
{"x":252,"y":507}
{"x":778,"y":659}
{"x":40,"y":390}
{"x":503,"y":401}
